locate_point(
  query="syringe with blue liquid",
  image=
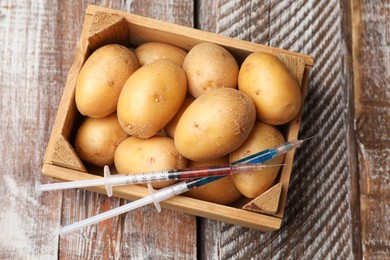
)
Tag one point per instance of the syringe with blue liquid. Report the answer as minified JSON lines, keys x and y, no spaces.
{"x":271,"y":153}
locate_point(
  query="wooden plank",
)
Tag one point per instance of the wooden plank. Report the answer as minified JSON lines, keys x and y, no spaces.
{"x":318,"y":216}
{"x":242,"y":19}
{"x":371,"y":54}
{"x":142,"y":233}
{"x":30,"y":72}
{"x":148,"y":234}
{"x":173,"y":11}
{"x":348,"y":19}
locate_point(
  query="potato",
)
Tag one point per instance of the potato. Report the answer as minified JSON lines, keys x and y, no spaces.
{"x":101,"y":80}
{"x":151,"y":97}
{"x":170,"y":128}
{"x":263,"y":136}
{"x":151,"y":51}
{"x":215,"y":124}
{"x":209,"y":66}
{"x":136,"y":155}
{"x":272,"y":87}
{"x":97,"y":139}
{"x":222,"y":191}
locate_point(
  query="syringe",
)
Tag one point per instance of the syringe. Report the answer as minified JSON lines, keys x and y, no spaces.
{"x":155,"y":197}
{"x":180,"y":174}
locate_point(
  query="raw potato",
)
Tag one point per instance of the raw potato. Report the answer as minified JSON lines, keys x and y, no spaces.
{"x":222,"y":191}
{"x":151,"y":51}
{"x":209,"y":66}
{"x":272,"y":87}
{"x":263,"y":136}
{"x":97,"y":139}
{"x":215,"y":124}
{"x":151,"y":97}
{"x":170,"y":128}
{"x":136,"y":155}
{"x":101,"y":80}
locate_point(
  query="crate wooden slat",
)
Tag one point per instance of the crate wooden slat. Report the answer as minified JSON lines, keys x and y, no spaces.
{"x":140,"y":30}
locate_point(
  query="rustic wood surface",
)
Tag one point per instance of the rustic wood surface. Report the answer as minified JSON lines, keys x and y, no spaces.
{"x":371,"y":65}
{"x":338,"y":205}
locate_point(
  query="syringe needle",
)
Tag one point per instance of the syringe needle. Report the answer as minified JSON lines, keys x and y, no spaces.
{"x":308,"y":138}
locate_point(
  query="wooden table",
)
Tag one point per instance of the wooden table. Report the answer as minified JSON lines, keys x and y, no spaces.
{"x":339,"y":195}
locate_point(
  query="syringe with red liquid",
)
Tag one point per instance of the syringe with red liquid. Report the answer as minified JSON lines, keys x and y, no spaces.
{"x":110,"y":181}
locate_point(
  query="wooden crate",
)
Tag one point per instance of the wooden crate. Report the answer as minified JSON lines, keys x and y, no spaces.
{"x":104,"y":26}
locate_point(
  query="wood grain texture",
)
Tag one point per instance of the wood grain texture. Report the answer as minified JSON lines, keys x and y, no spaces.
{"x":113,"y":28}
{"x":371,"y":53}
{"x":267,"y":202}
{"x":317,"y":221}
{"x":113,"y":238}
{"x":64,"y":155}
{"x":29,"y":97}
{"x":242,"y":19}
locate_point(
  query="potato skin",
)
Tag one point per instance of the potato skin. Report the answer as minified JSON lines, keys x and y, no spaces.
{"x":215,"y":124}
{"x":97,"y":139}
{"x":263,"y":136}
{"x":137,"y":155}
{"x":170,"y":128}
{"x":149,"y":52}
{"x":151,"y":97}
{"x":272,"y":87}
{"x":209,"y":66}
{"x":101,"y":79}
{"x":222,"y":191}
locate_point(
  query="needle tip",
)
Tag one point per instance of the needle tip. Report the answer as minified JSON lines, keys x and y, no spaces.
{"x":311,"y":137}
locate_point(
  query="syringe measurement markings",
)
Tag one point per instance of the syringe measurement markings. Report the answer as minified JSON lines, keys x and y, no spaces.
{"x":145,"y":177}
{"x":175,"y":175}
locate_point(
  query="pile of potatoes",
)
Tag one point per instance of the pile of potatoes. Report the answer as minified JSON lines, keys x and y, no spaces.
{"x":158,"y":107}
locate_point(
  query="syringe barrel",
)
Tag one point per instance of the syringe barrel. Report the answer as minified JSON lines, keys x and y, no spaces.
{"x":126,"y":179}
{"x":179,"y":174}
{"x":200,"y":172}
{"x":247,"y":167}
{"x":202,"y":181}
{"x":288,"y":146}
{"x":260,"y":157}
